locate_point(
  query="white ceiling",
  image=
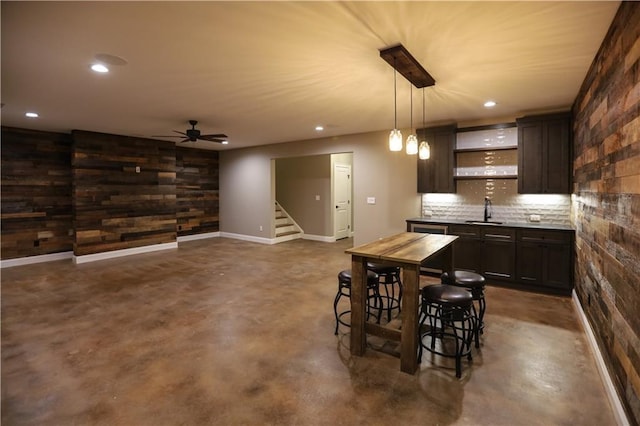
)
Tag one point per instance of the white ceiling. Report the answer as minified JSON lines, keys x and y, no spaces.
{"x":268,"y":72}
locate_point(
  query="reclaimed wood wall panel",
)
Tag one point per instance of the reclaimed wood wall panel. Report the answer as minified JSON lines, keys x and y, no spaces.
{"x":36,"y":193}
{"x":607,"y":201}
{"x":197,"y":191}
{"x":116,"y":207}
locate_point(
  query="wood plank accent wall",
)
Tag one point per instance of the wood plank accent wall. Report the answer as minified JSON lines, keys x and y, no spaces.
{"x":606,"y":205}
{"x":36,"y":193}
{"x":115,"y":207}
{"x":197,"y":209}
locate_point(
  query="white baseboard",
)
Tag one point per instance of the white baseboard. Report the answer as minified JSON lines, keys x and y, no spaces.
{"x":612,"y":394}
{"x":35,"y":259}
{"x":198,"y":236}
{"x":250,"y":238}
{"x":125,"y":252}
{"x":323,"y":238}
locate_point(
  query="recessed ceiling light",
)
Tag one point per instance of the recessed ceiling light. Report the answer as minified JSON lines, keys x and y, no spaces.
{"x":490,"y":104}
{"x":99,"y":68}
{"x":32,"y":114}
{"x":319,"y":128}
{"x":225,"y":142}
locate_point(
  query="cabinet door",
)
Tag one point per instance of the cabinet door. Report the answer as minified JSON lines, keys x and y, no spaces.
{"x":436,"y":173}
{"x":499,"y":253}
{"x":556,"y":163}
{"x":467,"y":254}
{"x":557,"y":267}
{"x":530,"y":261}
{"x":530,"y":157}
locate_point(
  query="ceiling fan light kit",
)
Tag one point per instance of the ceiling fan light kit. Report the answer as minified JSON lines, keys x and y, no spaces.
{"x":403,"y":62}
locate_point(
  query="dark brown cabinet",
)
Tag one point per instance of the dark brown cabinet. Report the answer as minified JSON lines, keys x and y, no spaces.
{"x":467,"y":248}
{"x":499,"y":253}
{"x":527,"y":258}
{"x":485,"y":249}
{"x":436,"y":173}
{"x":544,"y":149}
{"x":545,"y":259}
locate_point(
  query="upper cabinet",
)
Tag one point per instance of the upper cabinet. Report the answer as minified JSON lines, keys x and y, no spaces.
{"x":544,"y":148}
{"x":436,"y":173}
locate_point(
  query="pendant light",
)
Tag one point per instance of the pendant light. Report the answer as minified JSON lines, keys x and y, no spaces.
{"x":412,"y":139}
{"x":395,"y":137}
{"x":424,"y":152}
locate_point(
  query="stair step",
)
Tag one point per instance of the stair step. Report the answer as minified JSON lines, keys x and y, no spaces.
{"x":283,"y":234}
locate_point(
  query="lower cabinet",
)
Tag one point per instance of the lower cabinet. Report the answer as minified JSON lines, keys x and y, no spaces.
{"x":524,"y":258}
{"x":487,"y":250}
{"x":545,"y":260}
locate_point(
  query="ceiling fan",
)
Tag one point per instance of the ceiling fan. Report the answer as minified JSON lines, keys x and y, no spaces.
{"x":193,"y":134}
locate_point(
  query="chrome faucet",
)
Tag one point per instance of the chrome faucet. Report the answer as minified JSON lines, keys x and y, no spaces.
{"x":488,"y":210}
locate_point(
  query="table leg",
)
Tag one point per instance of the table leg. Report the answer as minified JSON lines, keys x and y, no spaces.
{"x":409,"y":340}
{"x":358,"y":304}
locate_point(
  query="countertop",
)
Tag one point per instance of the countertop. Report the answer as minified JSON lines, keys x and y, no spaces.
{"x":527,"y":225}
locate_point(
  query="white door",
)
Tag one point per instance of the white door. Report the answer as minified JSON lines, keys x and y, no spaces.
{"x":342,"y":194}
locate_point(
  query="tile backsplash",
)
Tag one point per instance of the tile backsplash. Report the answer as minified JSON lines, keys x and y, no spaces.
{"x":508,"y":205}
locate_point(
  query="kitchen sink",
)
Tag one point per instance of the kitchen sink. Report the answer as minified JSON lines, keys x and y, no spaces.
{"x":479,"y":222}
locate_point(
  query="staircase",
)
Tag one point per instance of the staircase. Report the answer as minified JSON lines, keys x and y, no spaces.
{"x":286,"y":228}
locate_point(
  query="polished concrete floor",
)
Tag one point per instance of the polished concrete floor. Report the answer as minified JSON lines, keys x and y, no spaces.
{"x":227,"y":332}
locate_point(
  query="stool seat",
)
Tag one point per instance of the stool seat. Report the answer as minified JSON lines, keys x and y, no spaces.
{"x":381,"y":269}
{"x":447,"y":295}
{"x":345,"y":277}
{"x":463,"y":279}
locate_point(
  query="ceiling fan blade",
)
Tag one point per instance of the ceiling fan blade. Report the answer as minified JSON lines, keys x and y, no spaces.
{"x":210,"y":139}
{"x":219,"y":135}
{"x":180,"y":133}
{"x":185,"y":140}
{"x":166,"y":136}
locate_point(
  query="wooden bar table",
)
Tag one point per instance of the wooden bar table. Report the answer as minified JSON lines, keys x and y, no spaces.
{"x":406,"y":250}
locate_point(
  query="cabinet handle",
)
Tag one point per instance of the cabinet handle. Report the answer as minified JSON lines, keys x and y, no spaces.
{"x":498,"y":236}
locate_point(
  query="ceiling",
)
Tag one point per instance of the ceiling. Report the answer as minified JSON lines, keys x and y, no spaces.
{"x":269,"y":72}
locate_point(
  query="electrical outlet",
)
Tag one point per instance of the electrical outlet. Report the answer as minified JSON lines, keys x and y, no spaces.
{"x":317,"y":198}
{"x":534,"y":218}
{"x":427,"y":213}
{"x":261,"y":227}
{"x":137,"y":169}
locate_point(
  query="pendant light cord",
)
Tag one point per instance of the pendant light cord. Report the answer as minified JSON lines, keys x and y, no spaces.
{"x":411,"y":97}
{"x":395,"y":107}
{"x":423,"y":108}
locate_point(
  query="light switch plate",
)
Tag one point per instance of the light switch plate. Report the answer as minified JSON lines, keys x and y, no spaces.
{"x":534,"y":218}
{"x":317,"y":198}
{"x":371,"y":200}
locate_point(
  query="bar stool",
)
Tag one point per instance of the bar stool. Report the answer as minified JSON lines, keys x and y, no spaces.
{"x":344,"y":289}
{"x":449,"y":312}
{"x":389,"y":276}
{"x":475,"y":284}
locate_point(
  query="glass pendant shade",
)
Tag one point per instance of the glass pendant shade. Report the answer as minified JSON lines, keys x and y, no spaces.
{"x":395,"y":140}
{"x":424,"y":152}
{"x":412,"y":145}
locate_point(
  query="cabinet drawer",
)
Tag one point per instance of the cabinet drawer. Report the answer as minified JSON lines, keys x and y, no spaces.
{"x":544,"y":236}
{"x":468,"y":231}
{"x":499,"y":234}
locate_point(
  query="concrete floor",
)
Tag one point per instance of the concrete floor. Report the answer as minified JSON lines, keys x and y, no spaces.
{"x":228,"y":332}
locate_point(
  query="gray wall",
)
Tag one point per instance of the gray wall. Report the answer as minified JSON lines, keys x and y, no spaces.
{"x":247,"y":185}
{"x":298,"y":181}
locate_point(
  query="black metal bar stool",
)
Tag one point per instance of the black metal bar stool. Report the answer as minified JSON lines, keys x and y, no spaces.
{"x":344,"y":289}
{"x":475,"y":284}
{"x":449,"y":312}
{"x":389,"y":276}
